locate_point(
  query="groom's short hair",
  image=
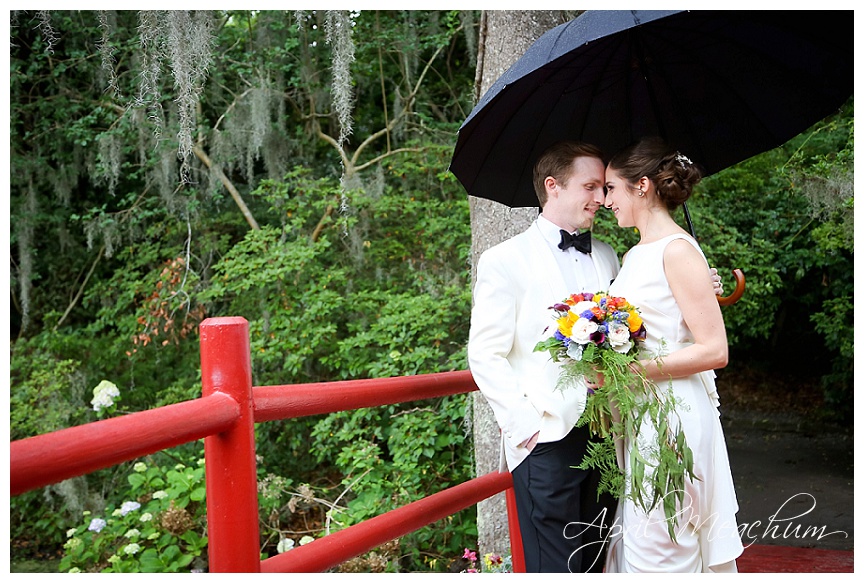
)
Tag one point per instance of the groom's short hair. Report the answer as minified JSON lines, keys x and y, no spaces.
{"x":555,"y":161}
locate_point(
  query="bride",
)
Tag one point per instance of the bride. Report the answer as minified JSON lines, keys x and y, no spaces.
{"x":644,"y":183}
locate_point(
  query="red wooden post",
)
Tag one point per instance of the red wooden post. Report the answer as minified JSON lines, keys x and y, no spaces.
{"x":517,"y":552}
{"x":232,"y":493}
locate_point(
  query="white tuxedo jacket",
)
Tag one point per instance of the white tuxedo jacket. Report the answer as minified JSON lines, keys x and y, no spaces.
{"x":517,"y":281}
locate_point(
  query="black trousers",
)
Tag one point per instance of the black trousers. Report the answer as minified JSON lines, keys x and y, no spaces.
{"x":563,"y":524}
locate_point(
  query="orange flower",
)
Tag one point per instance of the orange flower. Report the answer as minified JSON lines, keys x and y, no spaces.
{"x":574,"y":299}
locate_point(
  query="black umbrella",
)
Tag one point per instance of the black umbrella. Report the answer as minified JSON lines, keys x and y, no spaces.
{"x":720,"y":86}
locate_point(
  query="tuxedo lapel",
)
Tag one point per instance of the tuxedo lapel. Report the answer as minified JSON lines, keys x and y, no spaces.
{"x":544,"y":265}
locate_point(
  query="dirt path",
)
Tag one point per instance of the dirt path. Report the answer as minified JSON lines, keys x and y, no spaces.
{"x":794,"y":476}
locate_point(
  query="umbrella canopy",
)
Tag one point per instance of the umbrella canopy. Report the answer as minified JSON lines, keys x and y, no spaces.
{"x":720,"y":86}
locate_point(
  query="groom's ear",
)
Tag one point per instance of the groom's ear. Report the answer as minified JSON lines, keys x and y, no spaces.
{"x":551,"y":186}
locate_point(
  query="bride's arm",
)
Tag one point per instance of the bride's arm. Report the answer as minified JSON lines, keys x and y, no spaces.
{"x":698,"y":303}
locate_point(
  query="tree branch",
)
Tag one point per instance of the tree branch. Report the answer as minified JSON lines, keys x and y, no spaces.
{"x":77,"y":297}
{"x":386,"y":155}
{"x":332,"y":141}
{"x":320,"y":226}
{"x":235,"y":194}
{"x":408,"y":103}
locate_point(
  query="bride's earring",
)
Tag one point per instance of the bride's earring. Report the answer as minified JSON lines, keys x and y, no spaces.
{"x":641,"y":192}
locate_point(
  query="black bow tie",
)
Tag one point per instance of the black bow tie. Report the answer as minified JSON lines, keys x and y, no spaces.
{"x":582,"y":241}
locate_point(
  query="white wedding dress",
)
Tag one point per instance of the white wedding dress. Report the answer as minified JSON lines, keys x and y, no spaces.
{"x":707,"y":534}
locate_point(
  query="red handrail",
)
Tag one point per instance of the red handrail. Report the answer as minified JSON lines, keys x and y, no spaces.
{"x":289,"y":401}
{"x":224,"y":416}
{"x":333,"y":549}
{"x":53,"y":457}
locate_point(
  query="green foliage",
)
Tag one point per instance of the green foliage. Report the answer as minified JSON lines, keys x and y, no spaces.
{"x":115,"y":261}
{"x":388,"y":303}
{"x":47,"y":392}
{"x":160,"y":527}
{"x":391,"y":456}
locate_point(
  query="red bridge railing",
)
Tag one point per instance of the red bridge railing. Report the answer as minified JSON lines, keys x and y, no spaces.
{"x":224,"y":417}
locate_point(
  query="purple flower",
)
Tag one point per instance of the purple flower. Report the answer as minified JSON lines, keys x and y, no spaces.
{"x":598,"y":337}
{"x":561,"y":308}
{"x":588,"y":296}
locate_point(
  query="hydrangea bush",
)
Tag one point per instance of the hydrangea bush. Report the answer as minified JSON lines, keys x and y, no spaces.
{"x":160,"y":527}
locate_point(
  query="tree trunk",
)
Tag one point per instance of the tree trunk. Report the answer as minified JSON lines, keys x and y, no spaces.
{"x":504,"y":36}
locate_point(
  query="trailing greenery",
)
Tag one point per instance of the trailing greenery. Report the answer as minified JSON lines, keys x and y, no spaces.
{"x":329,"y":221}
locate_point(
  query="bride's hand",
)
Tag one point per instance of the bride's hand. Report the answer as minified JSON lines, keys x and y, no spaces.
{"x":715,"y":281}
{"x":595,"y":383}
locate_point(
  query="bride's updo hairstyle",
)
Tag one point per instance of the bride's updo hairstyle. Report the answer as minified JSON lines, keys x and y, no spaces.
{"x":672,"y":173}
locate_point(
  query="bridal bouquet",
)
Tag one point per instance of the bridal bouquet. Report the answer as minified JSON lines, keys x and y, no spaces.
{"x":598,"y":339}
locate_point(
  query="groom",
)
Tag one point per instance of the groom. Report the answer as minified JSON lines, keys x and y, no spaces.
{"x":517,"y":281}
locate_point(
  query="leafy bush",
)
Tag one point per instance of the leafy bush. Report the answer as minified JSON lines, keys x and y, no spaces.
{"x":160,"y":527}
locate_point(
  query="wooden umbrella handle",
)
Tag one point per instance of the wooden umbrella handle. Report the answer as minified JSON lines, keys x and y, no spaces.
{"x":739,"y":290}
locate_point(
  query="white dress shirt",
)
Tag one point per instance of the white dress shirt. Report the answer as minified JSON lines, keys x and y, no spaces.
{"x":576,"y":267}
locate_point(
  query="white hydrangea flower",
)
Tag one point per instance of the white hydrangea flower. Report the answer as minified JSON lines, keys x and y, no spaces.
{"x":160,"y":494}
{"x":71,"y":532}
{"x":146,"y":517}
{"x":285,"y":544}
{"x":140,"y":467}
{"x":131,"y":548}
{"x":72,"y":543}
{"x":132,"y":533}
{"x":96,"y":525}
{"x":103,"y":395}
{"x":128,"y":507}
{"x":306,"y":540}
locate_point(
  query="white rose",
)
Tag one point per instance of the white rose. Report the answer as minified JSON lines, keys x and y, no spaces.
{"x":582,"y":330}
{"x":619,"y":338}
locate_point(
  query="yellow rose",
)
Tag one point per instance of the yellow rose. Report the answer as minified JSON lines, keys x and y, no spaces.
{"x":565,"y":323}
{"x":634,"y":321}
